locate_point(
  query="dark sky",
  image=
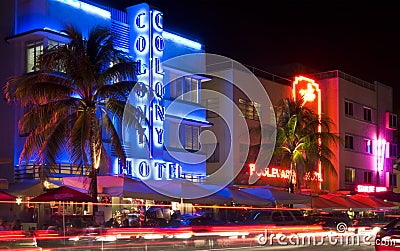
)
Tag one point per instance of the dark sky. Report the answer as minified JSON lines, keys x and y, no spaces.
{"x":360,"y":38}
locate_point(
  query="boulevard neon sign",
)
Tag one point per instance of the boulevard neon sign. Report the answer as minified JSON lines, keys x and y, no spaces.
{"x":271,"y":172}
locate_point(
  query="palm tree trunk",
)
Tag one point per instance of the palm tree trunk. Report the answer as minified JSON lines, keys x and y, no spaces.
{"x":95,"y":152}
{"x":93,"y":186}
{"x":291,"y":183}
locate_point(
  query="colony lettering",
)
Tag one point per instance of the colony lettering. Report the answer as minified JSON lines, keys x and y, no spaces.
{"x":146,"y":156}
{"x":148,"y":48}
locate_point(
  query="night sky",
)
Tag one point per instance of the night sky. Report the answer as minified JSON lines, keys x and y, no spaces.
{"x":360,"y":38}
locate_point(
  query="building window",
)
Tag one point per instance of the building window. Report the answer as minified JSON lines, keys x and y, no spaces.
{"x":212,"y":106}
{"x":392,"y":179}
{"x":52,"y":44}
{"x":33,"y":51}
{"x":367,"y":114}
{"x":367,"y":177}
{"x":185,"y":88}
{"x":368,"y":145}
{"x":191,"y":137}
{"x":249,"y":109}
{"x":348,"y":108}
{"x":212,"y":153}
{"x":350,"y":174}
{"x":348,"y":142}
{"x":391,"y":120}
{"x":392,"y":150}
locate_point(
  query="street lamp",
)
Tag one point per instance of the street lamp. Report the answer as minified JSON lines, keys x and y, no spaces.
{"x":19,"y":200}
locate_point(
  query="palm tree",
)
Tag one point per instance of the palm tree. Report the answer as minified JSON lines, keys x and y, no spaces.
{"x":74,"y":100}
{"x":300,"y":142}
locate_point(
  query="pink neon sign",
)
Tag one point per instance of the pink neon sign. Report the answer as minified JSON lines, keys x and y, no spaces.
{"x":380,"y":154}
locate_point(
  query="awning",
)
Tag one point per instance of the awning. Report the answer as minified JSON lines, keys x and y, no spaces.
{"x":323,"y":203}
{"x":63,"y":193}
{"x":118,"y":186}
{"x":29,"y":188}
{"x":373,"y":201}
{"x":103,"y":183}
{"x":387,"y":195}
{"x":346,"y":202}
{"x":7,"y":197}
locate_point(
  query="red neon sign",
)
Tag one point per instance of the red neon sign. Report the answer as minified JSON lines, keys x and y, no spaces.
{"x":370,"y":189}
{"x":309,"y":91}
{"x":271,"y":172}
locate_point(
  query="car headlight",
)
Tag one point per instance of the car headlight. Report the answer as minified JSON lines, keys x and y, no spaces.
{"x":376,"y":229}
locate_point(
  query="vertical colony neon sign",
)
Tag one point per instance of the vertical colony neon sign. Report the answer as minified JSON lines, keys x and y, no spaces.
{"x":310,"y":92}
{"x":148,"y":46}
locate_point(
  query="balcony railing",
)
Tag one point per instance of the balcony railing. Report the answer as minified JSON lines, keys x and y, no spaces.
{"x":342,"y":75}
{"x":29,"y":172}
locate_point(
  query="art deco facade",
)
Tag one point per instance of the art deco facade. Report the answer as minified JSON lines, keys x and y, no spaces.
{"x":36,"y":24}
{"x":362,"y":115}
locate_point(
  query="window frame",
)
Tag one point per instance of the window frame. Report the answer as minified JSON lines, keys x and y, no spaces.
{"x":368,"y":146}
{"x":348,"y":108}
{"x":393,"y":150}
{"x":392,"y":121}
{"x":368,"y":177}
{"x":392,"y":180}
{"x":249,"y":109}
{"x":189,"y":138}
{"x":367,"y":111}
{"x":349,"y":142}
{"x":185,"y":88}
{"x":37,"y":46}
{"x":353,"y":174}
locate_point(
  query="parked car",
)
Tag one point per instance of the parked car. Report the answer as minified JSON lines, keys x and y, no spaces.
{"x":279,"y":217}
{"x":196,"y":220}
{"x":388,"y":237}
{"x":338,"y":221}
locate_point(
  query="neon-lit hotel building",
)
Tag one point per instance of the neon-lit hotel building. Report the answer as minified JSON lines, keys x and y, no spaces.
{"x":363,"y":117}
{"x":36,"y":24}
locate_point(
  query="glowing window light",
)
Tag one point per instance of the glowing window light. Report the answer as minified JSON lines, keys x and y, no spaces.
{"x":380,"y":154}
{"x":181,"y":40}
{"x":87,"y":8}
